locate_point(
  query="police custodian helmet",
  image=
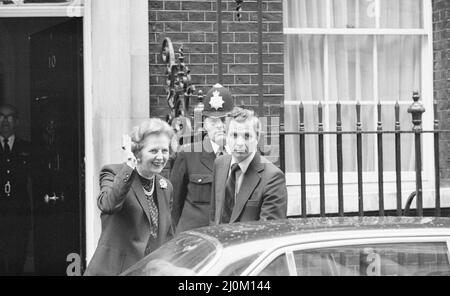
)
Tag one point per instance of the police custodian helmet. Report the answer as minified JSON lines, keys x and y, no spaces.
{"x":218,"y":102}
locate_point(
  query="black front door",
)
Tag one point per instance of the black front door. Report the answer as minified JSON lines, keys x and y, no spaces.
{"x":58,"y":147}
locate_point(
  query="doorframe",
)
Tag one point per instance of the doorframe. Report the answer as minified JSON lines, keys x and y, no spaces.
{"x":76,"y":9}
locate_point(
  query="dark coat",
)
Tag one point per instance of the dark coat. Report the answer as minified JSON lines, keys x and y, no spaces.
{"x":262,"y":196}
{"x":191,"y":176}
{"x":15,"y":171}
{"x":15,"y":206}
{"x":126,"y":219}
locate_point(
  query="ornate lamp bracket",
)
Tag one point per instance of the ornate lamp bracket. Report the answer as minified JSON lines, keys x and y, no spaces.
{"x":179,"y":88}
{"x":239,"y":9}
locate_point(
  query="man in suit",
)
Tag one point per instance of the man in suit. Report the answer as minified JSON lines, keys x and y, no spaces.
{"x":192,"y":172}
{"x":246,"y":186}
{"x":15,"y":205}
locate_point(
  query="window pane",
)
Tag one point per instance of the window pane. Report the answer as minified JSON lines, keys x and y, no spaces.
{"x":313,"y":264}
{"x":350,"y":68}
{"x":399,"y":67}
{"x":349,"y":141}
{"x":404,"y":259}
{"x":304,"y":13}
{"x":278,"y":267}
{"x":353,"y":14}
{"x":304,"y":68}
{"x":405,"y":14}
{"x":407,"y":140}
{"x":292,"y":142}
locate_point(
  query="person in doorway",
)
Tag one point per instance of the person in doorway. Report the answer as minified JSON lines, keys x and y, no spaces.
{"x":15,"y":205}
{"x":134,"y":201}
{"x":192,"y":172}
{"x":246,"y":186}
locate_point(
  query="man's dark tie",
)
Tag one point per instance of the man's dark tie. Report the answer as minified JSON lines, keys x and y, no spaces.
{"x":230,"y":194}
{"x":6,"y":146}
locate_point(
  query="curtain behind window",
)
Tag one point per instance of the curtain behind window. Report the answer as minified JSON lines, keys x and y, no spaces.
{"x":350,"y":77}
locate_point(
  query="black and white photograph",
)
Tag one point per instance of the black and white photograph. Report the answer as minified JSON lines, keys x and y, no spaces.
{"x":228,"y":138}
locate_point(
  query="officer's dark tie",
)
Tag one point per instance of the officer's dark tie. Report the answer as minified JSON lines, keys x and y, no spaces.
{"x":6,"y":146}
{"x":230,"y":194}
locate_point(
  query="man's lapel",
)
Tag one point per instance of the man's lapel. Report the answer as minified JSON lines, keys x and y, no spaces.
{"x":140,"y":196}
{"x":220,"y":179}
{"x":16,"y":145}
{"x":251,"y":179}
{"x":162,"y":207}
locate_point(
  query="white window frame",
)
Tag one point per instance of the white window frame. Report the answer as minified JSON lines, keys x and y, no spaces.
{"x":75,"y":8}
{"x":370,"y":178}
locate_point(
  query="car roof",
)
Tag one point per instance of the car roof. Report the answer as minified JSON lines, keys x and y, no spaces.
{"x":236,"y":233}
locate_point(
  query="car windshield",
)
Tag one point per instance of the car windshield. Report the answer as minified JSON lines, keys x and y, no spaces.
{"x":184,"y":255}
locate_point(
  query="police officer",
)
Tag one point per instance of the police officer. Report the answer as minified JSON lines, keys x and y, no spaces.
{"x":14,"y":200}
{"x":192,"y":172}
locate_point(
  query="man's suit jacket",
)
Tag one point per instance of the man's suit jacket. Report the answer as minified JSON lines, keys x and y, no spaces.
{"x":262,"y":195}
{"x":126,"y":219}
{"x":191,"y":176}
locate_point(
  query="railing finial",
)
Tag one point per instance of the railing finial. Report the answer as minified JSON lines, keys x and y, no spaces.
{"x":416,"y":109}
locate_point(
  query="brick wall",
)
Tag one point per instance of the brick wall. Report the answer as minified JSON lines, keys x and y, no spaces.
{"x":193,"y":24}
{"x":441,"y":36}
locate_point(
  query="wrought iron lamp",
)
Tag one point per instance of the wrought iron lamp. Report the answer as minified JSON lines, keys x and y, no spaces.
{"x":179,"y":89}
{"x":239,"y":9}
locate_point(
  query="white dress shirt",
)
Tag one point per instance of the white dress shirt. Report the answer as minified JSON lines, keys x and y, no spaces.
{"x":216,"y":148}
{"x":10,"y":142}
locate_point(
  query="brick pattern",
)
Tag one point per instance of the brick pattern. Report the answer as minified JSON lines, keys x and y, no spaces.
{"x":193,"y":24}
{"x":441,"y":45}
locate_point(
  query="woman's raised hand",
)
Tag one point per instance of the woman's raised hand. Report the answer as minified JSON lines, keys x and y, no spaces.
{"x":129,"y":156}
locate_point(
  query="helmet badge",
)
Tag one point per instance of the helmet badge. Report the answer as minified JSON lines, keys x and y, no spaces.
{"x":216,"y":101}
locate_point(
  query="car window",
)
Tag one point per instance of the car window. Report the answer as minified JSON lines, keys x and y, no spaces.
{"x":237,"y":267}
{"x":278,"y":267}
{"x":402,"y":259}
{"x":184,"y":255}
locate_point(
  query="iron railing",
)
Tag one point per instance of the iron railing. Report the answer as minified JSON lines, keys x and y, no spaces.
{"x":416,"y":110}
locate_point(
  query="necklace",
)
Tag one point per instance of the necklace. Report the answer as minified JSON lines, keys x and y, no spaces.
{"x":149,"y":193}
{"x":148,"y":185}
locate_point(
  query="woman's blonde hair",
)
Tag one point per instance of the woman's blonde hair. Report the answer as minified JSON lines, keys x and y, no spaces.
{"x":152,"y":126}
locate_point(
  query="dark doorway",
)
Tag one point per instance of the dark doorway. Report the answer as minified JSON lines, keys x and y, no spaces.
{"x":57,"y":137}
{"x":50,"y":71}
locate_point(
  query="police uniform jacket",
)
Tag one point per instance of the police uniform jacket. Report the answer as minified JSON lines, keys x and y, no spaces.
{"x":14,"y":173}
{"x":191,"y":176}
{"x":126,"y":219}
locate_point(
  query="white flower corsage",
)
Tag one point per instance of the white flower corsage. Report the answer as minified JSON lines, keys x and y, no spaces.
{"x":162,"y":184}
